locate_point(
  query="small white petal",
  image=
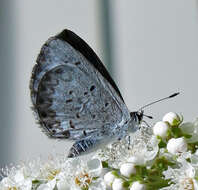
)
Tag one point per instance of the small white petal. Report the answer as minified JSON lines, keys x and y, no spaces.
{"x":26,"y":185}
{"x":191,"y":129}
{"x":63,"y":185}
{"x":44,"y":187}
{"x":172,"y":118}
{"x":195,"y":182}
{"x":95,"y":166}
{"x":177,"y":145}
{"x":19,"y":176}
{"x":48,"y":186}
{"x":137,"y":186}
{"x":127,"y":169}
{"x":118,"y":184}
{"x":109,"y":178}
{"x":6,"y":181}
{"x":160,"y":129}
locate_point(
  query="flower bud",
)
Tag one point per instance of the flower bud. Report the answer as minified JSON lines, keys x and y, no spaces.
{"x":177,"y":145}
{"x":118,"y":184}
{"x":161,"y":129}
{"x":127,"y":169}
{"x":109,"y":178}
{"x":137,"y":186}
{"x":172,"y":118}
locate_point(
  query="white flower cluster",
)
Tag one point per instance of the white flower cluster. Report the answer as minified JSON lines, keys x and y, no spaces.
{"x":162,"y":157}
{"x":58,"y":173}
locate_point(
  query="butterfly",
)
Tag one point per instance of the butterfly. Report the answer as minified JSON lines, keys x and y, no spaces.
{"x":75,"y":98}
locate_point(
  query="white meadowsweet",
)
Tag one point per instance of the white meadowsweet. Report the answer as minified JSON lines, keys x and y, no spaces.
{"x":118,"y":184}
{"x":127,"y":169}
{"x":161,"y":129}
{"x":183,"y":177}
{"x":57,"y":173}
{"x":109,"y":178}
{"x":137,"y":186}
{"x":191,"y":128}
{"x":120,"y":152}
{"x":154,"y":163}
{"x":16,"y":180}
{"x":172,"y":118}
{"x":177,"y":145}
{"x":85,"y":175}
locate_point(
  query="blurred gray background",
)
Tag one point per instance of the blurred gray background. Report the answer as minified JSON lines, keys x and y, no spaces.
{"x":150,"y":48}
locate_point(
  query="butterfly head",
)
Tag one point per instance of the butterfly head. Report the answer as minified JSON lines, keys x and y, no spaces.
{"x":137,"y":116}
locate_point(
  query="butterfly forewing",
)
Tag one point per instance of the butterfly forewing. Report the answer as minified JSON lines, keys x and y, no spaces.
{"x":71,"y":97}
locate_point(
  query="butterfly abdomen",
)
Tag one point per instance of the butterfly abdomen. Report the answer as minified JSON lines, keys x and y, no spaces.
{"x":81,"y":146}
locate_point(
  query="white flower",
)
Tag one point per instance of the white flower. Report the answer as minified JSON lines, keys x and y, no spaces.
{"x":177,"y":145}
{"x":161,"y":129}
{"x":119,"y":152}
{"x":137,"y":186}
{"x":84,"y":175}
{"x":183,"y":178}
{"x":188,"y":184}
{"x":172,"y":118}
{"x":16,"y":180}
{"x":118,"y":184}
{"x":127,"y":169}
{"x":109,"y":178}
{"x":57,"y":173}
{"x":191,"y":128}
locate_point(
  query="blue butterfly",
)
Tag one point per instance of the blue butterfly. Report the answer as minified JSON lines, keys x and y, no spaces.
{"x":75,"y":98}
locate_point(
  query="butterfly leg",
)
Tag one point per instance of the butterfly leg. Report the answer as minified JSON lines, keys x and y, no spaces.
{"x":82,"y":146}
{"x":129,"y":141}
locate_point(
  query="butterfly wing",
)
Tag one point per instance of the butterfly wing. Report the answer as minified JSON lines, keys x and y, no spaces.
{"x":72,"y":93}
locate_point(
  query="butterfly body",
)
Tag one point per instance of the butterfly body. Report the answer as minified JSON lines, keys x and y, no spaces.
{"x":75,"y":98}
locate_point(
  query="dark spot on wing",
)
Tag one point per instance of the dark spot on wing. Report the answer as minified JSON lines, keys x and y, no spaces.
{"x":43,"y":114}
{"x":93,"y":116}
{"x":70,"y":92}
{"x":53,"y":131}
{"x":85,"y":93}
{"x":77,"y":63}
{"x":71,"y":124}
{"x":66,"y":134}
{"x":106,"y":104}
{"x":77,"y":115}
{"x":84,"y":133}
{"x":69,"y":100}
{"x":92,"y":88}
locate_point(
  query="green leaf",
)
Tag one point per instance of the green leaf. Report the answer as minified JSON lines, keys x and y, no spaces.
{"x":105,"y":164}
{"x":176,"y":132}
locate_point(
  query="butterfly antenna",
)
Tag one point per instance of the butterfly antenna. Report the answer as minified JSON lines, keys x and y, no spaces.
{"x":171,"y":96}
{"x":148,"y":116}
